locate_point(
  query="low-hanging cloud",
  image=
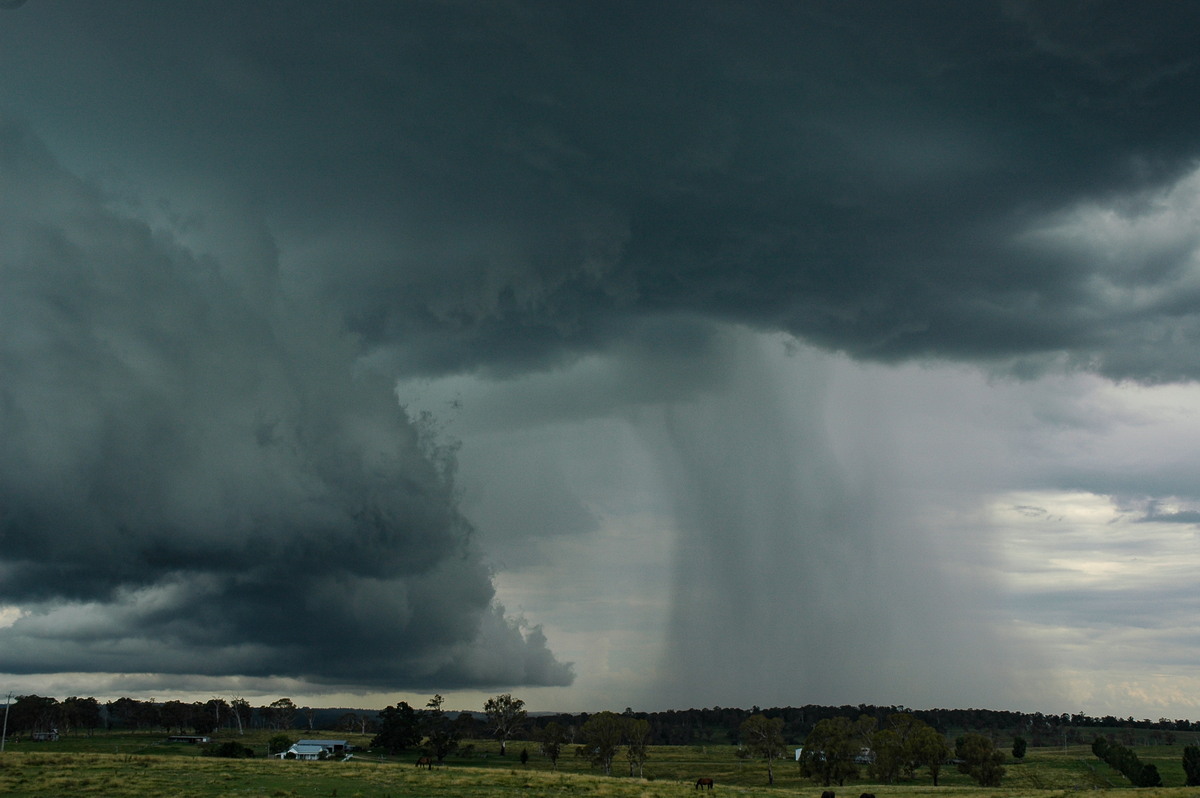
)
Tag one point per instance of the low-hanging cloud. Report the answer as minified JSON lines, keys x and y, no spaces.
{"x":192,"y":481}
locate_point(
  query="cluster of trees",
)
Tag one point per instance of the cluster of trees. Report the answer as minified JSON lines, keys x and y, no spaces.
{"x":837,"y":746}
{"x":1127,"y":763}
{"x":34,"y":713}
{"x":601,"y":737}
{"x":437,"y":735}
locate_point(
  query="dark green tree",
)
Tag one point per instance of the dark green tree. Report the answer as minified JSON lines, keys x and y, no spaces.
{"x":927,"y":747}
{"x":888,"y":748}
{"x":552,"y":738}
{"x":601,"y":735}
{"x":1148,"y":777}
{"x":829,"y":751}
{"x":281,"y":713}
{"x":906,"y":726}
{"x":278,"y":744}
{"x":229,"y":750}
{"x":399,"y":728}
{"x":80,"y":713}
{"x":980,"y":759}
{"x":441,"y":736}
{"x":1191,"y":765}
{"x":1018,"y":749}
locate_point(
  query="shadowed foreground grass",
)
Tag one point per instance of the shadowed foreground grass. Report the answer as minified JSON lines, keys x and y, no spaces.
{"x":136,"y":776}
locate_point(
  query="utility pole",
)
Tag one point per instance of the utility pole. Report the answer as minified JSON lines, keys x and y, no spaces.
{"x":4,"y":733}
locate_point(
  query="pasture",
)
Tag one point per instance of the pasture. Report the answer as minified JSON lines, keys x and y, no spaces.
{"x":126,"y":765}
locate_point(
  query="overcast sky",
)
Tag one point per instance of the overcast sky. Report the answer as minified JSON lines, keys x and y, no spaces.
{"x":610,"y":354}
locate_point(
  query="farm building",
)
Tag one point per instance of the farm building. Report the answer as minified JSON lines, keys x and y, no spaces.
{"x":315,"y":749}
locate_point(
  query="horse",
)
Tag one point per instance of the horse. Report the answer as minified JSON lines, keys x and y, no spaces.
{"x":827,"y":794}
{"x":867,"y":795}
{"x":704,"y":781}
{"x":425,"y":762}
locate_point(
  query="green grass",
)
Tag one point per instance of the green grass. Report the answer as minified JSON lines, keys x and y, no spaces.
{"x":124,"y":765}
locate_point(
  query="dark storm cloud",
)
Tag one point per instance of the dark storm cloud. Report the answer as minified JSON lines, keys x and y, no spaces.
{"x":502,"y":186}
{"x":193,"y":482}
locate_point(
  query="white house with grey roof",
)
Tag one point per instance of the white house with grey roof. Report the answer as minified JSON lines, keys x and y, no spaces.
{"x":315,"y":749}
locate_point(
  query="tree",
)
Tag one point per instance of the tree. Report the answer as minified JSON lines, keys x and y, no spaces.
{"x":34,"y":713}
{"x":441,"y":738}
{"x":1191,"y":765}
{"x":466,"y":724}
{"x":229,"y":750}
{"x":926,"y":746}
{"x":124,"y":712}
{"x":909,"y":729}
{"x":399,"y":728}
{"x":239,"y":708}
{"x":81,"y":713}
{"x":980,"y":759}
{"x":281,"y":714}
{"x":552,"y":738}
{"x":601,"y":735}
{"x":278,"y":744}
{"x":175,"y":715}
{"x":888,"y":748}
{"x":829,"y":751}
{"x":1018,"y":749}
{"x":507,"y":715}
{"x":637,"y":741}
{"x":763,"y":738}
{"x":1149,"y":777}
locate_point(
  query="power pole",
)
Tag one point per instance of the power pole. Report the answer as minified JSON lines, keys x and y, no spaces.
{"x":4,"y":733}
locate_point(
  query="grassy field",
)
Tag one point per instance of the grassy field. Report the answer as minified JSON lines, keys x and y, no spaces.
{"x":126,"y":765}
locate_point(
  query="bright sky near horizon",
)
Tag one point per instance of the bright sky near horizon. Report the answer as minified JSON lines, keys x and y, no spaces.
{"x":609,"y":354}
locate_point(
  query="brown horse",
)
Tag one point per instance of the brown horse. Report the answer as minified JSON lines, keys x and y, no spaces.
{"x":425,"y":762}
{"x":704,"y":781}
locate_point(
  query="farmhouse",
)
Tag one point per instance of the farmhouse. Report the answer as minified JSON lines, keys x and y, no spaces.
{"x":315,"y":749}
{"x":298,"y":751}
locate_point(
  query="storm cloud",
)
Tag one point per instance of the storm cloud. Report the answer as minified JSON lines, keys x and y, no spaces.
{"x":195,"y":481}
{"x":504,"y":187}
{"x":231,"y":230}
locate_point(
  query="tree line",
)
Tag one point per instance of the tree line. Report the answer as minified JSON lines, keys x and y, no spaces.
{"x":74,"y":715}
{"x":722,"y":725}
{"x":715,"y":725}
